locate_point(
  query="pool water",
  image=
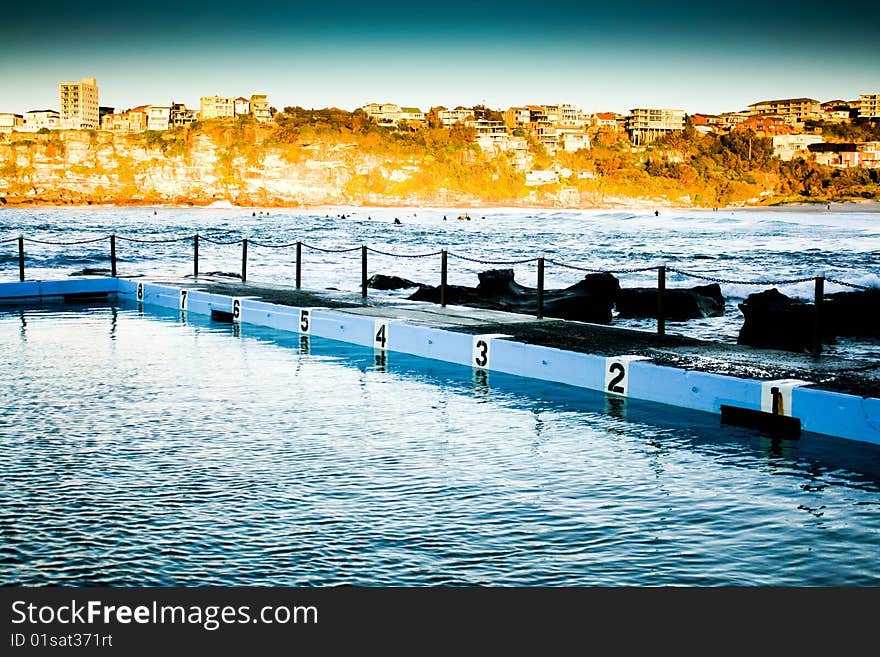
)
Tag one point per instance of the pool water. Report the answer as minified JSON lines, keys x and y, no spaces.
{"x":141,"y":449}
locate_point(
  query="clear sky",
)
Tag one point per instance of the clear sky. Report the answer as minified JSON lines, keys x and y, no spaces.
{"x":604,"y":56}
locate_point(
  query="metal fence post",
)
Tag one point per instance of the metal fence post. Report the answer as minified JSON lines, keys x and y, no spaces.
{"x":818,"y":299}
{"x":299,"y":250}
{"x":244,"y":260}
{"x":364,"y":271}
{"x":21,"y":257}
{"x":443,"y":273}
{"x":540,"y":312}
{"x":113,"y":255}
{"x":196,"y":255}
{"x":661,"y":291}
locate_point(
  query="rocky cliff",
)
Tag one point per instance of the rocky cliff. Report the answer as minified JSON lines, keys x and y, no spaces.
{"x":239,"y":165}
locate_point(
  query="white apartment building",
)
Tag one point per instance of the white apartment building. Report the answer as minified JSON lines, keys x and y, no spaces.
{"x":259,"y":107}
{"x":79,"y":105}
{"x":412,"y":115}
{"x":385,"y":114}
{"x":158,"y":117}
{"x":450,"y":117}
{"x":217,"y":107}
{"x":645,"y":124}
{"x":869,"y":106}
{"x":786,"y":147}
{"x":565,"y":116}
{"x":36,"y":120}
{"x":242,"y":106}
{"x":11,"y":122}
{"x":573,"y":140}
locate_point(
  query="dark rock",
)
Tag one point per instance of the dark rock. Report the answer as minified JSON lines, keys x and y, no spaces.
{"x":853,"y":314}
{"x":499,"y":282}
{"x":589,"y":300}
{"x":679,"y":304}
{"x":775,"y":321}
{"x":92,"y":271}
{"x":383,"y":282}
{"x":224,"y":274}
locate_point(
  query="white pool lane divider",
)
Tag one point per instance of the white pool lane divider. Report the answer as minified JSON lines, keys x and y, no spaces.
{"x":626,"y":376}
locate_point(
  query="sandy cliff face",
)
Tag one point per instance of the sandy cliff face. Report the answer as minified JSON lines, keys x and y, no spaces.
{"x":81,"y":167}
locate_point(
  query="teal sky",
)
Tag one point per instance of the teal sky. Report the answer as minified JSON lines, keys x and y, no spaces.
{"x":710,"y":58}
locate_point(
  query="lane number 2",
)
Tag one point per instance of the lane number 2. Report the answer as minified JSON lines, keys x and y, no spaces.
{"x":618,"y":374}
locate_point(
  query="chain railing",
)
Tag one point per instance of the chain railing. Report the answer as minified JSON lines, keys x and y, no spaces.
{"x":819,"y":277}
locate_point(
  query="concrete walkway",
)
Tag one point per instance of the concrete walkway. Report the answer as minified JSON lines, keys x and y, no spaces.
{"x":851,"y":376}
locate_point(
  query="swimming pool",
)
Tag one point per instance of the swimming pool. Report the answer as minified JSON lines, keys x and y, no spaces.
{"x":139,"y":449}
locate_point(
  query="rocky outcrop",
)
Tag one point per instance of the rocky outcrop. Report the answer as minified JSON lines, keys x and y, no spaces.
{"x":853,"y":314}
{"x":679,"y":304}
{"x":777,"y":321}
{"x":589,"y":300}
{"x":383,"y":282}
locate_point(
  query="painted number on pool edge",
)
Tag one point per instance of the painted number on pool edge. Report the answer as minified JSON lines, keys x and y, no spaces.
{"x":236,"y":311}
{"x":380,"y":334}
{"x":481,"y":353}
{"x":617,"y":374}
{"x":305,"y":317}
{"x":140,"y":292}
{"x":617,"y":371}
{"x":183,"y":294}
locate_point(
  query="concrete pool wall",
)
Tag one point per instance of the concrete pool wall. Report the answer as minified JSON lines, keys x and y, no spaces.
{"x":819,"y":411}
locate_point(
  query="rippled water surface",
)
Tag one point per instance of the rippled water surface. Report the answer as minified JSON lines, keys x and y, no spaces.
{"x":739,"y":245}
{"x":145,"y":450}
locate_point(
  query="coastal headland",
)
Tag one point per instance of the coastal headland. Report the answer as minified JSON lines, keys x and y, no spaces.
{"x":333,"y":159}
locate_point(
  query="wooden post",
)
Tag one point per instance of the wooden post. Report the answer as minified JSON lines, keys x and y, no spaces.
{"x":661,"y":290}
{"x":364,"y":271}
{"x":113,"y":256}
{"x":21,"y":257}
{"x":196,"y":255}
{"x":244,"y":260}
{"x":818,"y":299}
{"x":299,"y":251}
{"x":540,"y":313}
{"x":443,"y":272}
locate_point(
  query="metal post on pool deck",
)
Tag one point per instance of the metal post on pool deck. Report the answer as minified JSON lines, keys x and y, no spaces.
{"x":244,"y":260}
{"x":443,"y":272}
{"x":661,"y":290}
{"x":113,"y":255}
{"x":540,"y":313}
{"x":21,"y":257}
{"x":196,"y":255}
{"x":299,"y":251}
{"x":364,"y":271}
{"x":817,"y":313}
